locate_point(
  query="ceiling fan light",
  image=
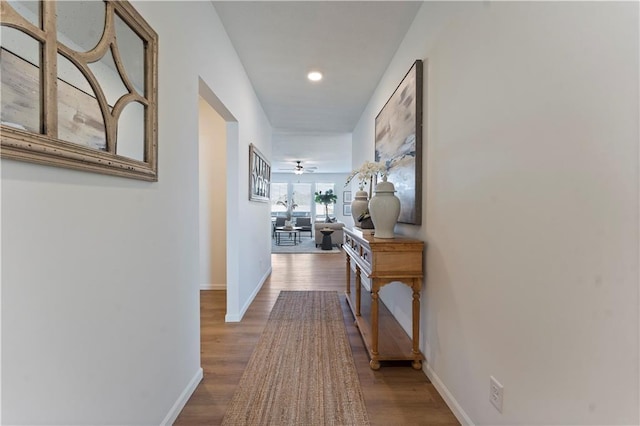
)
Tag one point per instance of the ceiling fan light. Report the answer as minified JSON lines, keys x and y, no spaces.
{"x":298,"y":171}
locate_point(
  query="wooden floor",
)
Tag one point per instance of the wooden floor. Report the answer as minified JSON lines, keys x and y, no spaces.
{"x":397,"y":395}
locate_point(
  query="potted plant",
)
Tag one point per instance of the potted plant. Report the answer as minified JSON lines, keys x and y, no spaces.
{"x":327,"y":198}
{"x":290,"y":206}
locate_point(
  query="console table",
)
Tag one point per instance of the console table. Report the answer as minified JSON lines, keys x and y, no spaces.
{"x":384,"y":260}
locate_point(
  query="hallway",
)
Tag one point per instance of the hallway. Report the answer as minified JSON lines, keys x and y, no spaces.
{"x":393,"y":395}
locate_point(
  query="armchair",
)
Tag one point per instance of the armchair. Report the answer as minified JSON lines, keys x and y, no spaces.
{"x":277,"y":223}
{"x":304,"y":223}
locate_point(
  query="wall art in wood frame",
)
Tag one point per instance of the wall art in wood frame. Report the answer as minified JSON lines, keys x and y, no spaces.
{"x":259,"y":176}
{"x":398,"y":143}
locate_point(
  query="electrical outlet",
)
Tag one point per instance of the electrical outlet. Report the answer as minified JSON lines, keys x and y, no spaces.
{"x":495,"y":393}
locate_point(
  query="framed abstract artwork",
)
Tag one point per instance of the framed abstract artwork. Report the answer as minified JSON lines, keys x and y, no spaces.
{"x":398,"y":143}
{"x":259,"y":176}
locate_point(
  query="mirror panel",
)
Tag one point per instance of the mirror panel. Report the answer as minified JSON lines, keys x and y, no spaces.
{"x":109,"y":79}
{"x":131,"y":132}
{"x":80,"y":23}
{"x":131,"y":49}
{"x":28,"y":9}
{"x":79,"y":117}
{"x":70,"y":74}
{"x":20,"y":44}
{"x":20,"y":80}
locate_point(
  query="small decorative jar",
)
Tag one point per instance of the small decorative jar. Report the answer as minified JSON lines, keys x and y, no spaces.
{"x":384,"y":208}
{"x":358,"y":206}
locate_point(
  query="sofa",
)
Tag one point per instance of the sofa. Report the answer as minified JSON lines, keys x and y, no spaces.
{"x":336,"y":237}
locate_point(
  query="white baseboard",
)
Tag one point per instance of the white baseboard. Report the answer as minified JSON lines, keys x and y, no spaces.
{"x":457,"y":410}
{"x":238,"y":317}
{"x":182,"y":399}
{"x":210,"y":286}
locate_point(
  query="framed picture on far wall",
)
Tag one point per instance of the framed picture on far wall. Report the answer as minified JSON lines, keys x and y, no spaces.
{"x":398,"y":143}
{"x":346,"y":209}
{"x":346,"y":197}
{"x":259,"y":176}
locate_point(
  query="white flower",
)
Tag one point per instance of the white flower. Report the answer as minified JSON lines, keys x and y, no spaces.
{"x":367,"y":172}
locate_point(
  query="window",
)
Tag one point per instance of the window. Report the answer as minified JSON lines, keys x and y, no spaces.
{"x":301,"y":194}
{"x":298,"y":193}
{"x":278,"y":193}
{"x":320,"y":211}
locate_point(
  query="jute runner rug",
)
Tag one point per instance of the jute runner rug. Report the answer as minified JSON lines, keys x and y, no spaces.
{"x":301,"y":371}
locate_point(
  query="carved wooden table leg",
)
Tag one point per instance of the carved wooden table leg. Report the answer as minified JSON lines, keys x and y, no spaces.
{"x":358,"y":289}
{"x":417,"y":362}
{"x":374,"y":363}
{"x":348,"y":275}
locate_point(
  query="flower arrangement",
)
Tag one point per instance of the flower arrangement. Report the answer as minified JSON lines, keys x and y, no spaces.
{"x":290,"y":206}
{"x":366,"y":173}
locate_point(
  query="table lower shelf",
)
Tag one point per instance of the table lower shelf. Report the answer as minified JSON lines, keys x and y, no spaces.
{"x":393,"y":342}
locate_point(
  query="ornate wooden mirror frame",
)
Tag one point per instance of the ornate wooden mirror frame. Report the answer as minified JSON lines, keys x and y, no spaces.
{"x":76,"y":125}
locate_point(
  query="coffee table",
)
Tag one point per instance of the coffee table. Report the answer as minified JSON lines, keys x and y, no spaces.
{"x":293,"y":236}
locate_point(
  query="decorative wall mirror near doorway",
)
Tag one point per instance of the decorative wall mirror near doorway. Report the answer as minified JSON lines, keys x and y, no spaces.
{"x":79,"y":86}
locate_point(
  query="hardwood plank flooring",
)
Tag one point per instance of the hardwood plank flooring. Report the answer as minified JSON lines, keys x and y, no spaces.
{"x":396,"y":395}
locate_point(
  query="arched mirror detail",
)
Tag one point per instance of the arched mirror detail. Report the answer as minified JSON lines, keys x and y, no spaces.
{"x":79,"y":86}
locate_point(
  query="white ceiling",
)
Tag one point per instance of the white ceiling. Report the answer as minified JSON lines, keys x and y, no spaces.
{"x":318,"y":152}
{"x":279,"y":42}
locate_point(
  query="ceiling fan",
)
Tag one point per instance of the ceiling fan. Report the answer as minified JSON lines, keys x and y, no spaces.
{"x":300,"y":169}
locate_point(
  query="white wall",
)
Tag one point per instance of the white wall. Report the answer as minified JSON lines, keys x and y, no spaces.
{"x":213,"y":197}
{"x":336,"y":178}
{"x":531,"y":201}
{"x":100,"y":291}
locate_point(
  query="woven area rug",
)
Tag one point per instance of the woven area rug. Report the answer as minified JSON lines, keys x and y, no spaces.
{"x":301,"y":371}
{"x":307,"y":245}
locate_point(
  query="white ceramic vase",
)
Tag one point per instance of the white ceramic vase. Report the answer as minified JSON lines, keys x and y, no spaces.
{"x":384,"y":208}
{"x":359,"y":205}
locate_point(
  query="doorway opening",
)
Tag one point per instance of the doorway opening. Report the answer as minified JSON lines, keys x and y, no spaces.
{"x":217,"y":159}
{"x":212,"y":177}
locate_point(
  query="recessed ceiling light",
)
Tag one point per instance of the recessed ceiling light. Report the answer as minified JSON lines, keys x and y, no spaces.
{"x":314,"y":76}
